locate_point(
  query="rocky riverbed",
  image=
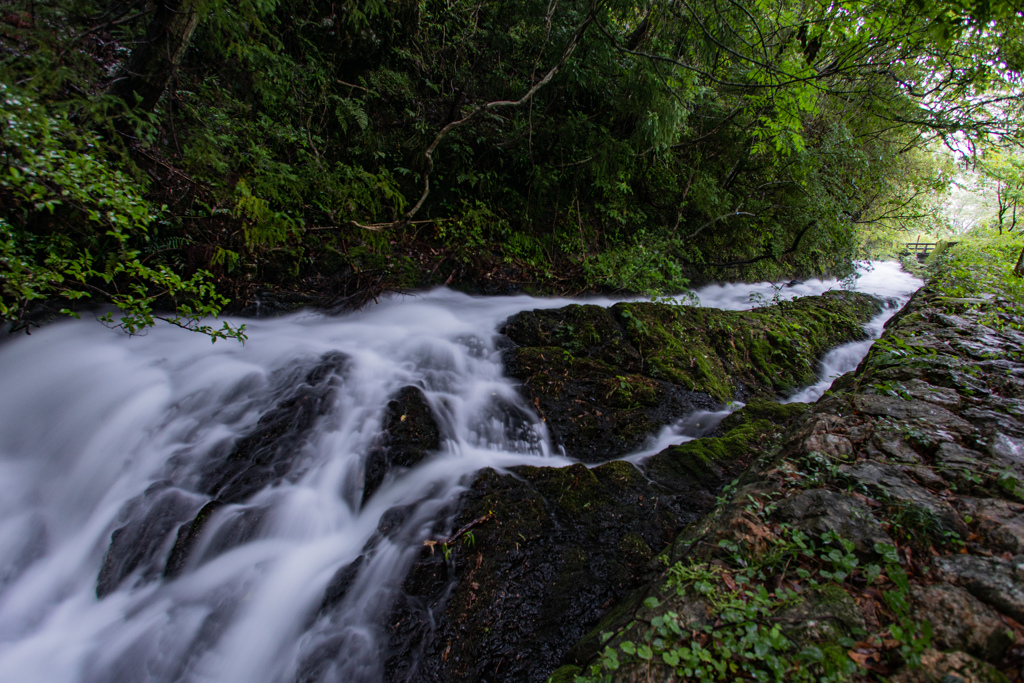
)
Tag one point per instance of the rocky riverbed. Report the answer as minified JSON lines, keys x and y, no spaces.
{"x":540,"y":554}
{"x":883,"y":537}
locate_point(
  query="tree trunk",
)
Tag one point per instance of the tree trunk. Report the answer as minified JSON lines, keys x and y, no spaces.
{"x":152,"y":63}
{"x":1018,"y":269}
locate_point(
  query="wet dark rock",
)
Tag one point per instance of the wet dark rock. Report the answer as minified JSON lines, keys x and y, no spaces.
{"x":562,"y":546}
{"x":409,"y":434}
{"x":694,"y":471}
{"x":957,"y":464}
{"x":961,"y":622}
{"x":393,"y":518}
{"x":186,"y":539}
{"x":893,"y":446}
{"x":1007,"y":450}
{"x":819,"y":511}
{"x":992,"y":422}
{"x":1001,"y":521}
{"x":413,"y":622}
{"x":142,"y":543}
{"x":506,"y":423}
{"x":949,"y":667}
{"x":563,"y":543}
{"x":230,"y":527}
{"x":605,"y":379}
{"x":216,"y":529}
{"x":776,"y":414}
{"x":941,"y":396}
{"x":272,"y":450}
{"x":340,"y":583}
{"x":920,"y":412}
{"x":993,"y":580}
{"x":890,"y":484}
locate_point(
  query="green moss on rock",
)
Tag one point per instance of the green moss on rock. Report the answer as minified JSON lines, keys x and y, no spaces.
{"x":565,"y":674}
{"x":605,"y":379}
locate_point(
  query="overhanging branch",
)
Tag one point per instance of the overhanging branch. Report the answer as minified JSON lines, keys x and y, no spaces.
{"x":767,"y":255}
{"x":428,"y":154}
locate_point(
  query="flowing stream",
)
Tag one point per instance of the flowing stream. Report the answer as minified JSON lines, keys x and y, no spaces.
{"x":102,"y":435}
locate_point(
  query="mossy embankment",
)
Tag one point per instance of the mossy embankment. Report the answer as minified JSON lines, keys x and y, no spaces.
{"x":882,"y":539}
{"x":605,"y":379}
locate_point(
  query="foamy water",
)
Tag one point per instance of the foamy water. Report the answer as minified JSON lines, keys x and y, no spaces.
{"x":99,"y":432}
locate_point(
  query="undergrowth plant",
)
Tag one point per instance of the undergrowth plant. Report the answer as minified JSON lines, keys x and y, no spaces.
{"x":753,"y":602}
{"x":76,"y":228}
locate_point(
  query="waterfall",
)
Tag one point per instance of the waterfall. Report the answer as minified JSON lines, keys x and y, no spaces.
{"x":172,"y":510}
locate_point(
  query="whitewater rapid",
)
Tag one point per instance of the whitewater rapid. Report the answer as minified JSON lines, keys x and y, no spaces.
{"x":98,"y":429}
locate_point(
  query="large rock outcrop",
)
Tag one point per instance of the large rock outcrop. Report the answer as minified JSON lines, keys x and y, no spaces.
{"x":605,"y":379}
{"x":547,"y":551}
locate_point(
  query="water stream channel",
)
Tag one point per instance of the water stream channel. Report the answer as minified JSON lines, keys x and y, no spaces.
{"x":104,"y":435}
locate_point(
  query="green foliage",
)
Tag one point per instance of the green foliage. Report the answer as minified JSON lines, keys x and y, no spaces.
{"x":1002,"y":173}
{"x":75,"y":228}
{"x":711,"y":140}
{"x":748,"y":638}
{"x":981,"y":263}
{"x":644,"y":265}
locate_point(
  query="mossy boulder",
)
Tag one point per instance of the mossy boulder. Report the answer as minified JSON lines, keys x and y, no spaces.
{"x":696,"y":467}
{"x":556,"y":548}
{"x":605,"y":379}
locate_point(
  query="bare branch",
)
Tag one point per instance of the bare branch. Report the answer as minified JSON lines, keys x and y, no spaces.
{"x":428,"y":154}
{"x":767,"y":255}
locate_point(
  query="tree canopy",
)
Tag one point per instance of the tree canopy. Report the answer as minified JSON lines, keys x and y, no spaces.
{"x":165,"y":154}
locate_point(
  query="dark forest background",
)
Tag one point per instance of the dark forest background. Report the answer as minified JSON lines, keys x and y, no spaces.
{"x":172,"y":155}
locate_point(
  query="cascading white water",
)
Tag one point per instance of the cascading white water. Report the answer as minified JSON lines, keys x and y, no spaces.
{"x":98,"y":431}
{"x":884,"y":279}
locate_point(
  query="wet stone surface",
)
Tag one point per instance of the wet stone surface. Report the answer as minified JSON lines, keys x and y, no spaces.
{"x":558,"y":548}
{"x":162,"y":526}
{"x":916,"y":461}
{"x":408,"y":434}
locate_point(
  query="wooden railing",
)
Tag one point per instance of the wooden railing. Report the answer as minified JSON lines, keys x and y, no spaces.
{"x":922,"y":249}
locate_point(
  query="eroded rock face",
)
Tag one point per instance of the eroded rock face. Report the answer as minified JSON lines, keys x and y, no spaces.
{"x":562,"y":546}
{"x":408,"y":434}
{"x":605,"y":379}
